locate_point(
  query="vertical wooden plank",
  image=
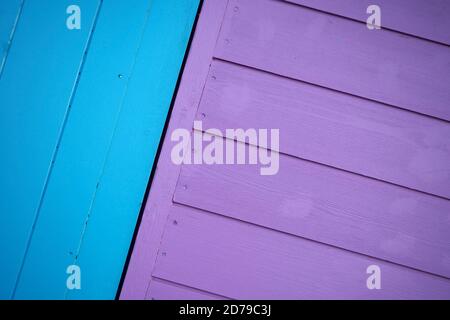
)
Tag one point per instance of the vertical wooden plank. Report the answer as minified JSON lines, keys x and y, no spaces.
{"x":9,"y":15}
{"x":35,"y":89}
{"x":155,"y":216}
{"x":112,"y":133}
{"x":84,"y":144}
{"x":133,"y":147}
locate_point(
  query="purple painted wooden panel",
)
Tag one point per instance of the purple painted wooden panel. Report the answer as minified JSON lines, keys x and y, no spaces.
{"x":409,"y":16}
{"x":338,"y":53}
{"x":330,"y":127}
{"x":164,"y":290}
{"x":311,"y":230}
{"x":242,"y":261}
{"x":328,"y":205}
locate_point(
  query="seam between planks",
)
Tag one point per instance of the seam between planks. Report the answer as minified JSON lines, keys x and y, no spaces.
{"x":163,"y":280}
{"x":332,"y":89}
{"x":11,"y":37}
{"x":331,"y":166}
{"x":163,"y":138}
{"x":363,"y":22}
{"x":116,"y":121}
{"x":157,"y":155}
{"x":253,"y":224}
{"x":55,"y":151}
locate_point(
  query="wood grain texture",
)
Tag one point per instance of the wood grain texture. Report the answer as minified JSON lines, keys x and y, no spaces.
{"x":36,"y":88}
{"x":425,"y":19}
{"x":160,"y":289}
{"x":327,"y":205}
{"x":338,"y":53}
{"x":138,"y":276}
{"x":243,"y":261}
{"x":107,"y":149}
{"x":330,"y":127}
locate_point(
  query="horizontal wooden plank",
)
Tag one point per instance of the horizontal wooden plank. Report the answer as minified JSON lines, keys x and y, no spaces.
{"x":243,"y":261}
{"x":338,"y":53}
{"x":426,"y":19}
{"x":327,"y":205}
{"x":36,"y":88}
{"x":160,"y":289}
{"x":330,"y":127}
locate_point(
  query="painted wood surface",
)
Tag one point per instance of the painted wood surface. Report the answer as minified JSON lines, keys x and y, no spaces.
{"x":138,"y":276}
{"x":134,"y":145}
{"x":242,"y":261}
{"x":412,"y":17}
{"x":107,"y":146}
{"x":311,"y":230}
{"x":306,"y":199}
{"x":9,"y":15}
{"x":165,"y":290}
{"x":384,"y":66}
{"x":36,"y":86}
{"x":330,"y":127}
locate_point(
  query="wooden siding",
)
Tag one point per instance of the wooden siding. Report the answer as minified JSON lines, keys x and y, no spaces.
{"x":332,"y":128}
{"x":165,"y":290}
{"x":364,"y":146}
{"x":36,"y":87}
{"x":383,"y":66}
{"x":426,"y":19}
{"x":247,"y":262}
{"x":82,"y":113}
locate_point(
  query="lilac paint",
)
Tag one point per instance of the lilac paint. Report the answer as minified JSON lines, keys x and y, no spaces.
{"x":364,"y":171}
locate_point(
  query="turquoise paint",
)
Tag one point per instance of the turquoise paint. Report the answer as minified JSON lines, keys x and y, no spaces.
{"x":133,"y":148}
{"x":107,"y":149}
{"x":9,"y":15}
{"x":36,"y":86}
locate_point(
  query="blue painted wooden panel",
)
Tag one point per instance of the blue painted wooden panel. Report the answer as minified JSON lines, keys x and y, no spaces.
{"x":9,"y":14}
{"x":133,"y":148}
{"x":35,"y":89}
{"x":107,"y":149}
